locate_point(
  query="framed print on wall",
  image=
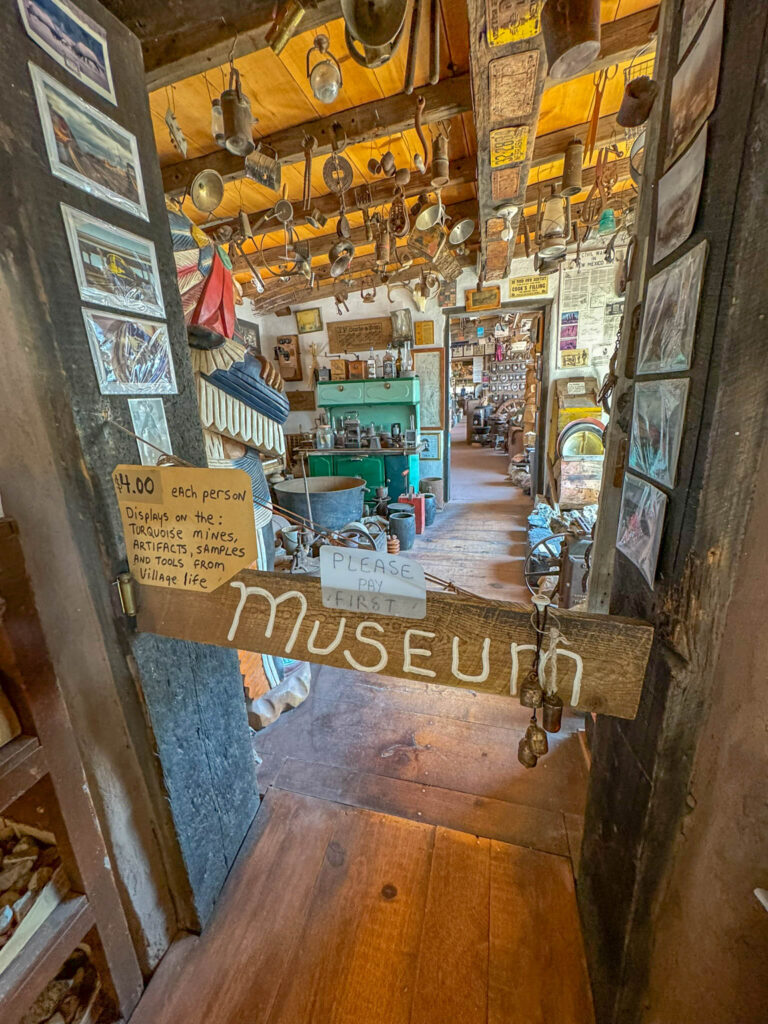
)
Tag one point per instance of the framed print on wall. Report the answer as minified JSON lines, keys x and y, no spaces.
{"x":86,"y":148}
{"x":429,"y":366}
{"x":308,"y":321}
{"x":150,"y":424}
{"x":487,"y":298}
{"x":669,"y":314}
{"x":72,"y":39}
{"x":113,"y":267}
{"x":641,"y":521}
{"x":433,"y":447}
{"x":424,"y":332}
{"x":130,"y":356}
{"x":658,"y":414}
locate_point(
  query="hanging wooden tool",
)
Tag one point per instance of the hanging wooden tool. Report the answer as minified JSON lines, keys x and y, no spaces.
{"x":310,"y":142}
{"x":434,"y":42}
{"x":413,"y":39}
{"x":601,"y":79}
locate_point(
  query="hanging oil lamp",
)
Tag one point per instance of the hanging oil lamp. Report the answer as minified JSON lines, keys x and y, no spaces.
{"x":237,"y":117}
{"x":553,"y":225}
{"x":325,"y":77}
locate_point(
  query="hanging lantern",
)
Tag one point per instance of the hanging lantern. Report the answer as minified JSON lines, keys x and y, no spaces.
{"x":325,"y":77}
{"x":572,"y":168}
{"x":237,"y":117}
{"x":554,"y":226}
{"x":571,"y":35}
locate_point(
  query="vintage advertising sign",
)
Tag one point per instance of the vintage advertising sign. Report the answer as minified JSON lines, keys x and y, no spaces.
{"x":462,"y":641}
{"x":360,"y":335}
{"x":509,"y":145}
{"x":575,"y":357}
{"x":512,"y":86}
{"x":509,"y":21}
{"x":371,"y":581}
{"x":524,"y":287}
{"x":185,"y":528}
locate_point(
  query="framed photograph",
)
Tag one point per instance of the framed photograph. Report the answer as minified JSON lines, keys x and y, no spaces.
{"x":641,"y":521}
{"x":113,"y":267}
{"x":487,"y":298}
{"x":149,"y":423}
{"x":130,"y":356}
{"x":433,"y":447}
{"x":86,"y":148}
{"x":72,"y":39}
{"x":669,"y":314}
{"x":446,"y":294}
{"x":288,"y":357}
{"x":694,"y":87}
{"x":657,"y":428}
{"x":678,"y":198}
{"x":424,"y":332}
{"x":429,"y":366}
{"x":248,"y":335}
{"x":694,"y":13}
{"x":308,"y":321}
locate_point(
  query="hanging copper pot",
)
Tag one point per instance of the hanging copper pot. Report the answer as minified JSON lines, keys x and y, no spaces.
{"x":637,"y":102}
{"x":552,"y":712}
{"x":571,"y":35}
{"x":238,"y":119}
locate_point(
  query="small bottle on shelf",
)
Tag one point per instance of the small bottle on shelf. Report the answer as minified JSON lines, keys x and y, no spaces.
{"x":388,"y":367}
{"x":371,"y":367}
{"x":399,"y":360}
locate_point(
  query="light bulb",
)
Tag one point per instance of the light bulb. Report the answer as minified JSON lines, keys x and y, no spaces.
{"x":325,"y":81}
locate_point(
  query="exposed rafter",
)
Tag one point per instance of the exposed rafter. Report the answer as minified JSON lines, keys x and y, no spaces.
{"x":447,"y":99}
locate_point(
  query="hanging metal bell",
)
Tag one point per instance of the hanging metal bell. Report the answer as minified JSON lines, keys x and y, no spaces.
{"x":552,"y":712}
{"x":537,"y":739}
{"x":525,"y":755}
{"x":531,"y":693}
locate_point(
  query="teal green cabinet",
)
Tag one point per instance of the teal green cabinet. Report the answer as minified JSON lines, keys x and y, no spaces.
{"x":370,"y":468}
{"x":404,"y":391}
{"x":389,"y":467}
{"x":321,"y":465}
{"x":347,"y":392}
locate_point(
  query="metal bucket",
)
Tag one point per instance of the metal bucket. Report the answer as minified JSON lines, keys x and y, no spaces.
{"x":335,"y":500}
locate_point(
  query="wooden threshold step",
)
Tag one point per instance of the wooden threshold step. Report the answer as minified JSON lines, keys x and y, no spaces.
{"x":511,"y":823}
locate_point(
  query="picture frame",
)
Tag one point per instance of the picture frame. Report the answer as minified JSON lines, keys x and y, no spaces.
{"x":670,"y":311}
{"x":424,"y":332}
{"x":677,"y":198}
{"x":694,"y":87}
{"x":92,"y":152}
{"x":75,"y":41}
{"x":446,"y":294}
{"x":429,"y":366}
{"x":131,"y":356}
{"x":248,"y":335}
{"x":658,"y":415}
{"x":149,"y":423}
{"x":434,"y":449}
{"x":476,"y":300}
{"x":309,"y":321}
{"x":113,"y":267}
{"x":288,"y":357}
{"x":641,"y":523}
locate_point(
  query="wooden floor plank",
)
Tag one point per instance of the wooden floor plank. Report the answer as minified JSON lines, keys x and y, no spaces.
{"x":452,"y":980}
{"x":450,"y":754}
{"x":478,"y":816}
{"x":574,"y":830}
{"x":537,"y":970}
{"x":234,"y":970}
{"x":357,"y":957}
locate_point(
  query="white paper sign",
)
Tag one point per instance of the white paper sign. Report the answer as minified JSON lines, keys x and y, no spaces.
{"x":371,"y":582}
{"x":577,"y":387}
{"x":477,"y":369}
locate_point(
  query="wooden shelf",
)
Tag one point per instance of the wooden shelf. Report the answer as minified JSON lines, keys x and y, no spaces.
{"x":42,"y":956}
{"x":22,"y":764}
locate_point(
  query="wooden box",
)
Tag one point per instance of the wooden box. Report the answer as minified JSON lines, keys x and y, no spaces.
{"x":358,"y":369}
{"x":339,"y":369}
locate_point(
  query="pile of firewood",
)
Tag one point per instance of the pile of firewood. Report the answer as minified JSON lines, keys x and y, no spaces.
{"x":27,"y":865}
{"x":73,"y":997}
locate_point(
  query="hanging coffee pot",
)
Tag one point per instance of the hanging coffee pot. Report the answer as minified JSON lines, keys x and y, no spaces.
{"x":373,"y":29}
{"x":237,"y":116}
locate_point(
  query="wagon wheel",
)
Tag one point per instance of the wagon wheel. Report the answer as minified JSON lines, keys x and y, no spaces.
{"x":550,"y":556}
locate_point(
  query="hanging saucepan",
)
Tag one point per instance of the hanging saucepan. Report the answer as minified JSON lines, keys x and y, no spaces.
{"x":376,"y":26}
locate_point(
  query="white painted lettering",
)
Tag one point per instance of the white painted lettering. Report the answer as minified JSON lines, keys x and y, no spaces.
{"x":486,"y":663}
{"x":332,"y":646}
{"x":422,"y":652}
{"x":381,"y":663}
{"x":246,"y":592}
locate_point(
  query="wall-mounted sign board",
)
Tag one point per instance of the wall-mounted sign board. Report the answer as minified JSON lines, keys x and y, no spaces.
{"x":532,"y":284}
{"x":360,"y":335}
{"x":185,"y":528}
{"x":462,"y":641}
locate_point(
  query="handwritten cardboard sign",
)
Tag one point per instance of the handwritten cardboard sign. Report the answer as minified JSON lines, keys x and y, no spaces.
{"x":368,"y":581}
{"x":187,"y":529}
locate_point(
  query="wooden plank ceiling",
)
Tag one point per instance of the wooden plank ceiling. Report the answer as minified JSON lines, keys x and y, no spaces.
{"x":282,"y":101}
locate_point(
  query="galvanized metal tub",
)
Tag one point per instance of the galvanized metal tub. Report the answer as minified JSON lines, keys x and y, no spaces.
{"x":335,"y":500}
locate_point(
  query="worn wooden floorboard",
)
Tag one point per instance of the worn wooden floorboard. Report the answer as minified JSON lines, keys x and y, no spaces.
{"x":339,"y":915}
{"x":476,"y":815}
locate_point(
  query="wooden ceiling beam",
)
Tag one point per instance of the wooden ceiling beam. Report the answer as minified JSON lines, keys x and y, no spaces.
{"x":461,"y":172}
{"x":552,"y":146}
{"x":618,"y":167}
{"x":322,"y":243}
{"x":388,"y":116}
{"x":180,"y":38}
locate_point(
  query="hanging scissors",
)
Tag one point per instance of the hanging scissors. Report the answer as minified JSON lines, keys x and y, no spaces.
{"x":600,"y":80}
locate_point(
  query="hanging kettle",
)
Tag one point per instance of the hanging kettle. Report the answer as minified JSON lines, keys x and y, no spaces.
{"x":238,"y":119}
{"x":373,"y":29}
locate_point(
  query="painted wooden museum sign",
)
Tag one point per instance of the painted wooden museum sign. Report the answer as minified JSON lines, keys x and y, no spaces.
{"x":462,"y":641}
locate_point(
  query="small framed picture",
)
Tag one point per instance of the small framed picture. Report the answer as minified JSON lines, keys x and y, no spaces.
{"x":433,"y":447}
{"x":72,"y":39}
{"x":150,"y":424}
{"x":130,"y":356}
{"x":86,"y":148}
{"x":288,"y":357}
{"x":308,"y":321}
{"x":424,"y":332}
{"x":486,"y":298}
{"x":641,"y":521}
{"x":248,"y":335}
{"x":669,"y":314}
{"x":658,"y":414}
{"x":113,"y":267}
